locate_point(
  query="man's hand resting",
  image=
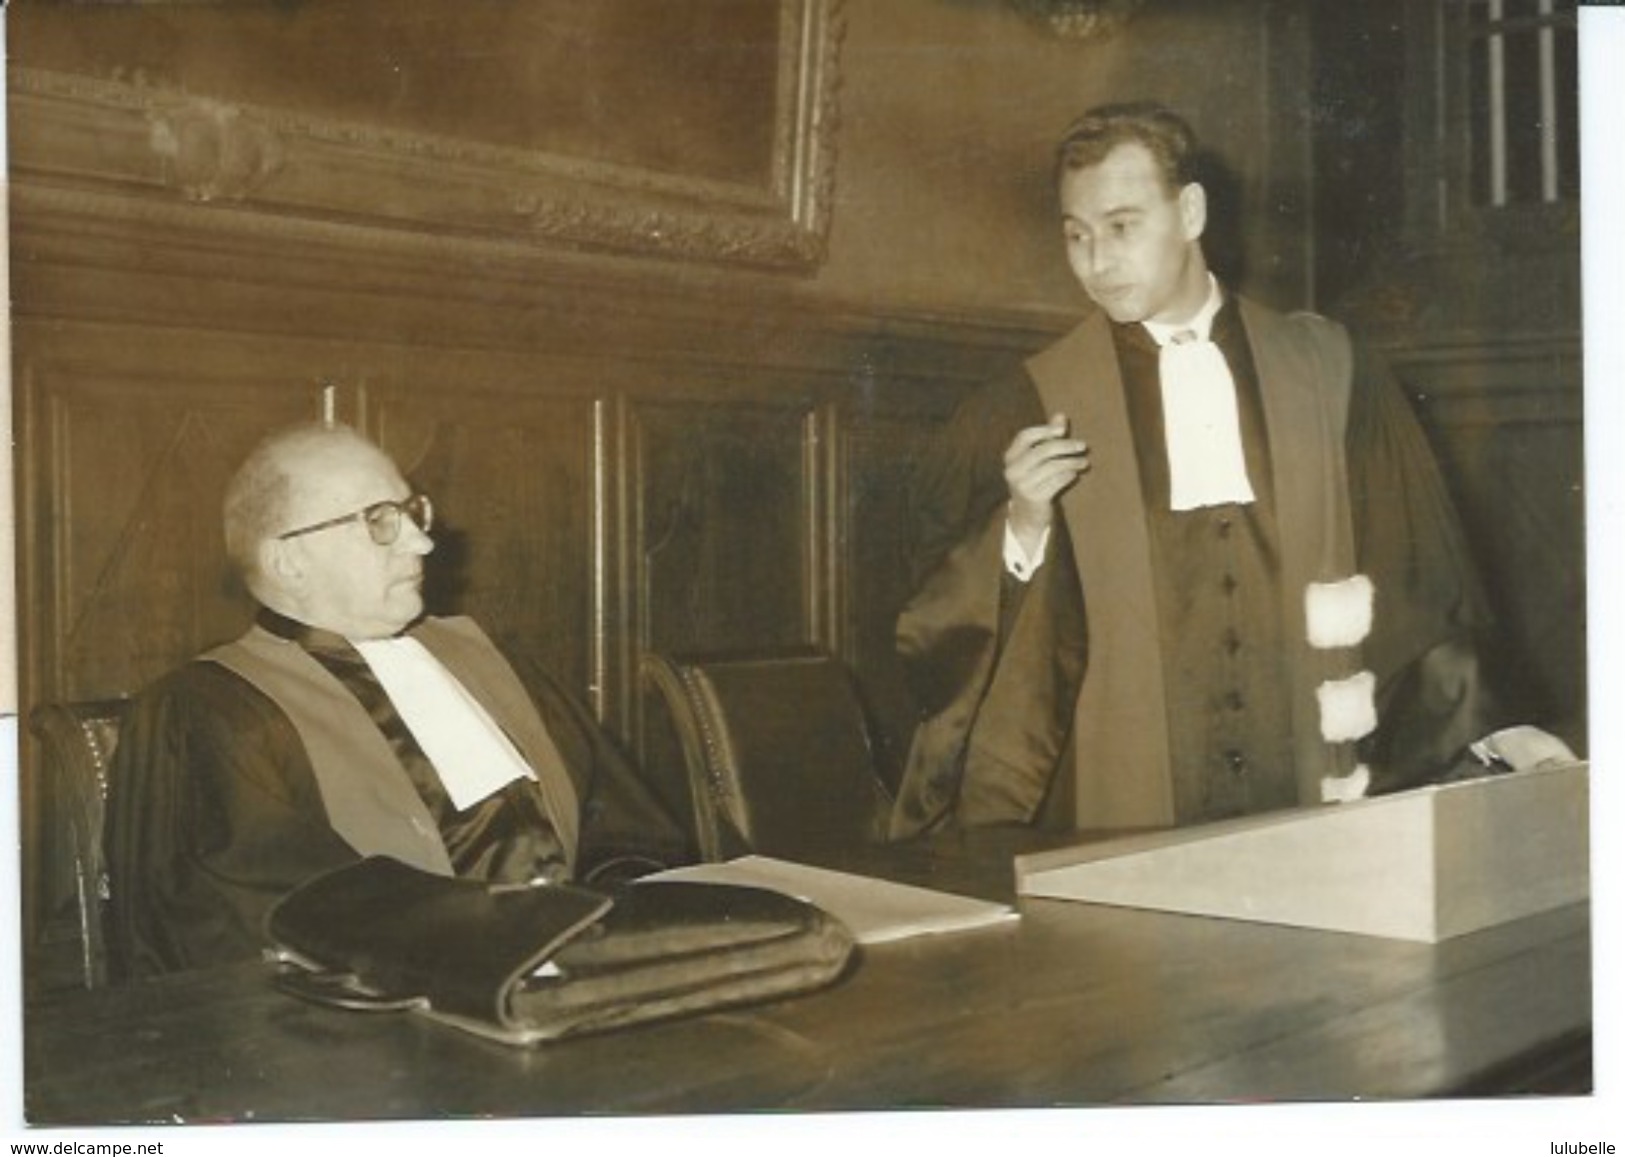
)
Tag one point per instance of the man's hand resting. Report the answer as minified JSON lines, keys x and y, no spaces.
{"x":1522,"y":748}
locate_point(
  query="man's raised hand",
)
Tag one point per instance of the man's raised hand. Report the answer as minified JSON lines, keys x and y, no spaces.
{"x":1040,"y":463}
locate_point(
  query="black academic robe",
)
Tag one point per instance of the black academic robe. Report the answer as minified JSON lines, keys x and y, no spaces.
{"x":215,"y":810}
{"x":997,"y":665}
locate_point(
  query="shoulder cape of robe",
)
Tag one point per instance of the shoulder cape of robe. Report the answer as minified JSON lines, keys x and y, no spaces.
{"x":216,"y":806}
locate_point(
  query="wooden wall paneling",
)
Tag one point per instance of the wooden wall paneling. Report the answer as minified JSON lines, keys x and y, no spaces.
{"x":878,"y":456}
{"x":644,"y":718}
{"x":1508,"y":427}
{"x":125,"y":469}
{"x":724,"y":556}
{"x":121,"y":564}
{"x":900,"y":384}
{"x":824,"y":525}
{"x":511,"y":472}
{"x":724,"y":537}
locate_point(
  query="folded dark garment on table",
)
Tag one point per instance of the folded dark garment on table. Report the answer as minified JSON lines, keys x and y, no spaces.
{"x":528,"y":964}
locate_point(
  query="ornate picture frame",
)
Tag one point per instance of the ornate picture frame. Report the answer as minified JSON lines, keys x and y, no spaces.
{"x":646,"y":138}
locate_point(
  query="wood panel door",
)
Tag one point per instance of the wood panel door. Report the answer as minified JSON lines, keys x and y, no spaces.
{"x":518,"y":543}
{"x":726,"y":529}
{"x":123,"y":468}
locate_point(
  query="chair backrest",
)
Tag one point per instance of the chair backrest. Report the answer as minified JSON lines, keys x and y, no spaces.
{"x":76,"y":743}
{"x":777,"y":751}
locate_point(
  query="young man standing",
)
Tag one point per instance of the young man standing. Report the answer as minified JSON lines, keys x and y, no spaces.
{"x":1195,"y":561}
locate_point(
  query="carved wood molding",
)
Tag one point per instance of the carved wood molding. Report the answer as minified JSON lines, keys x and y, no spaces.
{"x":114,"y":257}
{"x":1506,"y":382}
{"x":84,"y":132}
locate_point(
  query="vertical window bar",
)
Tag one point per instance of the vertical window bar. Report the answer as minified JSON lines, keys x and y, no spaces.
{"x":1496,"y":45}
{"x":598,"y":677}
{"x":1441,"y":102}
{"x":1548,"y":105}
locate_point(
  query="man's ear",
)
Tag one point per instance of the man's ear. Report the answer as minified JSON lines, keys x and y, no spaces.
{"x":280,"y":564}
{"x":1193,"y":210}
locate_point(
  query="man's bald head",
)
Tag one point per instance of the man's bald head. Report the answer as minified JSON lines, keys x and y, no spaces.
{"x":275,"y":480}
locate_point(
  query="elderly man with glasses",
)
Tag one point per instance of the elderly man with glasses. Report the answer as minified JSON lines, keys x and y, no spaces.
{"x":343,"y":723}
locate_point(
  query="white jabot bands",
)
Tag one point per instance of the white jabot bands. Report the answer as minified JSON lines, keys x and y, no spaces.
{"x":1201,"y":426}
{"x":469,"y":752}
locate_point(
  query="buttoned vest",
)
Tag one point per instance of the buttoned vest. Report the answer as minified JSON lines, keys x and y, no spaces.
{"x":1304,"y":365}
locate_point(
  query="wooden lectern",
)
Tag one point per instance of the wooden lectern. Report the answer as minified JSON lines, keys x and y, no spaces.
{"x":1424,"y":865}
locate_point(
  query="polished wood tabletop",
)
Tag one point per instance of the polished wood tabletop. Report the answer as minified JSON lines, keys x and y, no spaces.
{"x":1074,"y":1004}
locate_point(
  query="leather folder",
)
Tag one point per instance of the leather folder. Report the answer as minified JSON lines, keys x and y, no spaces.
{"x":530,"y":964}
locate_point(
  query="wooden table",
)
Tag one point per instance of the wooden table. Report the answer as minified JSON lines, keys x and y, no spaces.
{"x":1074,"y":1005}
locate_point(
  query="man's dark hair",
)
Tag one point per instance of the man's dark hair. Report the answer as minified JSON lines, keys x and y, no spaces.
{"x":1164,"y":133}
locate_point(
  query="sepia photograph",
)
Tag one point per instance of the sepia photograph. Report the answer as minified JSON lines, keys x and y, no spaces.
{"x":902,"y":567}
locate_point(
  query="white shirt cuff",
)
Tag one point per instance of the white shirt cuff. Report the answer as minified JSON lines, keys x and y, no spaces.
{"x":1017,"y":561}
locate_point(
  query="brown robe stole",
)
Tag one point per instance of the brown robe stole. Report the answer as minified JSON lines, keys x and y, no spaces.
{"x":1304,"y":363}
{"x":369,"y":799}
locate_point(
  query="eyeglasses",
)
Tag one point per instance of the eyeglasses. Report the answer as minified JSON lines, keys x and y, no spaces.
{"x":382,"y":519}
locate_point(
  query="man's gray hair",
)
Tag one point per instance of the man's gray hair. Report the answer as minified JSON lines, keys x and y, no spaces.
{"x":264,"y":486}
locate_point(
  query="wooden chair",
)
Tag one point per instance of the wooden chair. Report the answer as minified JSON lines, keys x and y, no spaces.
{"x":777,"y":750}
{"x":76,"y":743}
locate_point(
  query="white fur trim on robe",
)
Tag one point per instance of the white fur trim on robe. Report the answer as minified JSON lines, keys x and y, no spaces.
{"x":1348,"y":707}
{"x":1339,"y":613}
{"x":1343,"y":788}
